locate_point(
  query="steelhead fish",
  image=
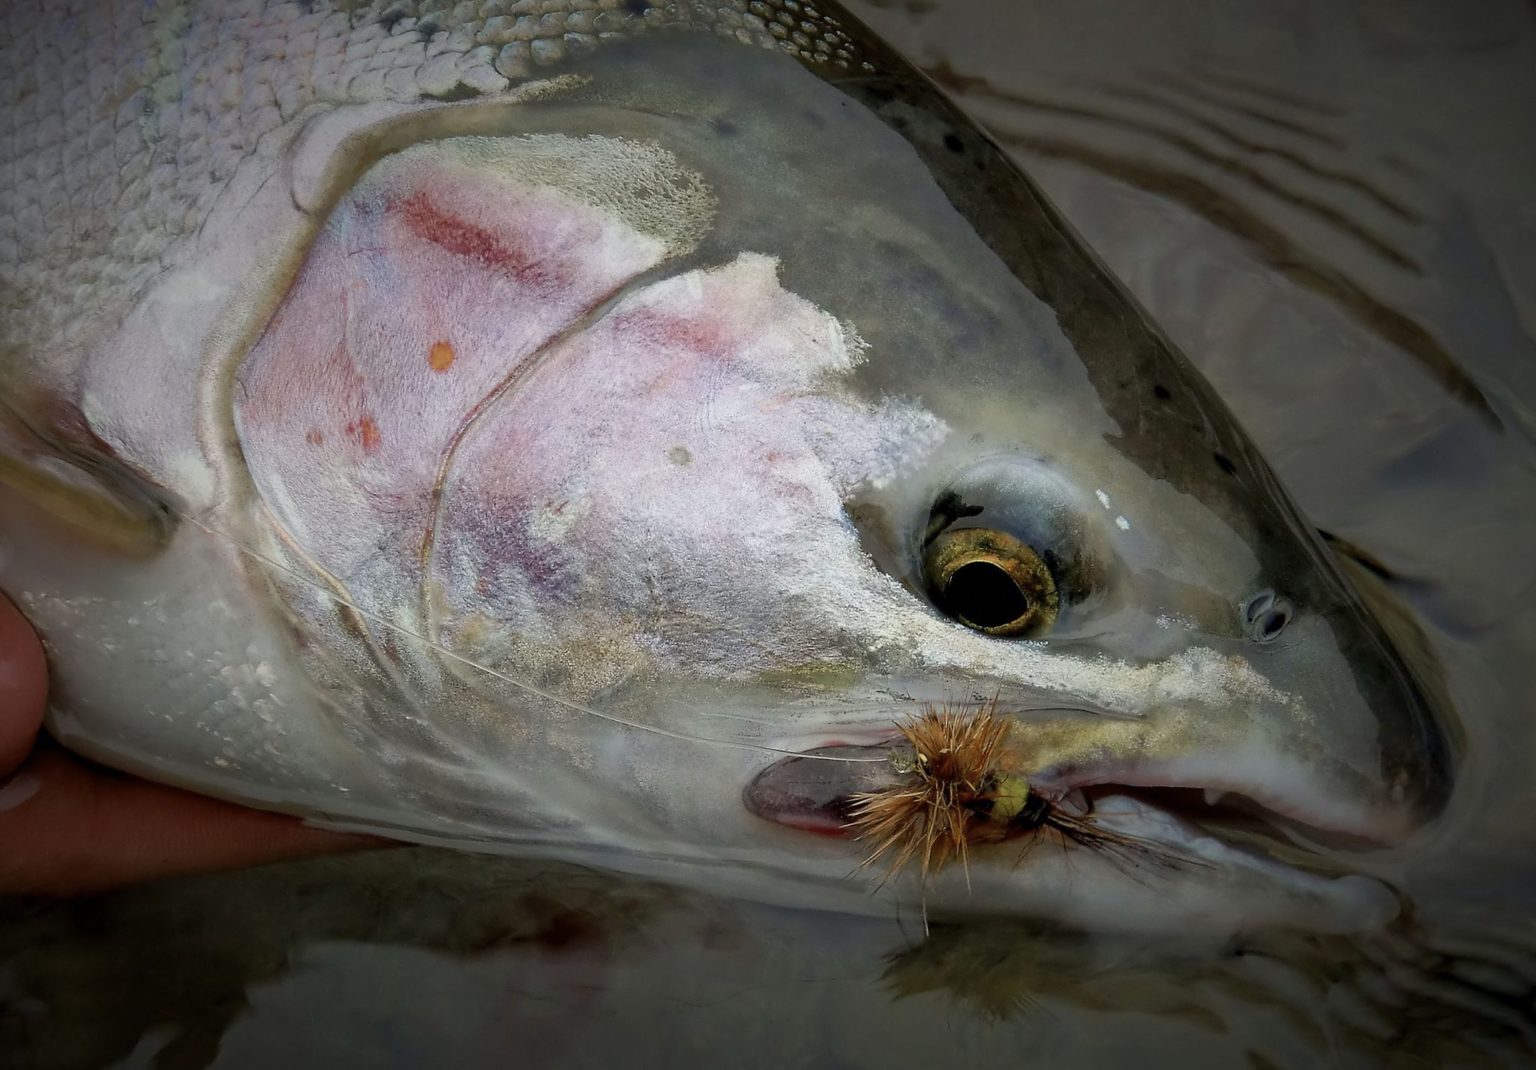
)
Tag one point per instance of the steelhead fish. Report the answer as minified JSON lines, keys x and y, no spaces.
{"x":586,"y":427}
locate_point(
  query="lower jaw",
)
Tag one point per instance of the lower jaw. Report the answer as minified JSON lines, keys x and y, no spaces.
{"x":1187,"y":883}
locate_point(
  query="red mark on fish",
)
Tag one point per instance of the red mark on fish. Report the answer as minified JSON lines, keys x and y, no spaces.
{"x":366,"y":433}
{"x":432,"y":224}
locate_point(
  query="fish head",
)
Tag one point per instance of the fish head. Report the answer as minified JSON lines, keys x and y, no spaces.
{"x":668,"y":461}
{"x":622,"y":460}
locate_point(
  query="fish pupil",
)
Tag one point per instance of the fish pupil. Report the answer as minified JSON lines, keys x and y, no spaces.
{"x":985,"y":595}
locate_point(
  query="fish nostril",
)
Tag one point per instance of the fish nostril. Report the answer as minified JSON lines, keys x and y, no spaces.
{"x":1258,"y":605}
{"x":1267,"y":615}
{"x":983,"y":594}
{"x":1272,"y":625}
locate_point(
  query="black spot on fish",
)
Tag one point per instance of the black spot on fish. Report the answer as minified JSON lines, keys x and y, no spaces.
{"x":948,"y":509}
{"x":426,"y":28}
{"x":462,"y":91}
{"x":953,"y":143}
{"x":1160,"y":392}
{"x":1052,"y":561}
{"x":637,"y":7}
{"x":391,"y":18}
{"x":725,"y":128}
{"x":1361,"y":557}
{"x":1224,"y":463}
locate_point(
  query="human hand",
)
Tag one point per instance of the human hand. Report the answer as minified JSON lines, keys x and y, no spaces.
{"x":70,"y":827}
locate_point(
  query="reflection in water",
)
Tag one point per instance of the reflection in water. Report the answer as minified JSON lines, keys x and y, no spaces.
{"x":1326,"y":211}
{"x":402,"y":958}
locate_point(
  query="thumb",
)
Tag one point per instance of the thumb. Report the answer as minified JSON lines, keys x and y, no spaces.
{"x":23,"y":686}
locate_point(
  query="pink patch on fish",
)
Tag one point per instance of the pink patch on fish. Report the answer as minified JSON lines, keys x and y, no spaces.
{"x":433,"y":264}
{"x":572,"y":490}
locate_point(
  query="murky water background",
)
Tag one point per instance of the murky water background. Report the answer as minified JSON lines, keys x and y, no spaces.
{"x":1333,"y":211}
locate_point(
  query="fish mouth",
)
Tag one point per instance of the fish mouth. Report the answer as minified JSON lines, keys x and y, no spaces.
{"x":1209,"y":815}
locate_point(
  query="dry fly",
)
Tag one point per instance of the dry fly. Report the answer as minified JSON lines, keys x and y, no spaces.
{"x":957,"y":794}
{"x":953,"y":767}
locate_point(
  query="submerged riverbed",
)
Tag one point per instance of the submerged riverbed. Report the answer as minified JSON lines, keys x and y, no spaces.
{"x":1329,"y":210}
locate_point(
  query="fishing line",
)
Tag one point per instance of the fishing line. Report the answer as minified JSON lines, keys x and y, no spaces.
{"x":527,"y":688}
{"x":1009,"y":706}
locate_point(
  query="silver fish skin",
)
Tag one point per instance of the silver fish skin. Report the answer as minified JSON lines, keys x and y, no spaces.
{"x":527,"y":425}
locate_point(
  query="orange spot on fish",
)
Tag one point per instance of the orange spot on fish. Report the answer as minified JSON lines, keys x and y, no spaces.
{"x":440,"y":357}
{"x":315,"y":437}
{"x":365,"y":432}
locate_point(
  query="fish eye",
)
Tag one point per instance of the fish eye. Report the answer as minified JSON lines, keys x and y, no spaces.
{"x":1009,"y":549}
{"x":991,"y":581}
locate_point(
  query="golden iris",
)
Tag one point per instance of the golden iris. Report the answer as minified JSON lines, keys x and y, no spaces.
{"x":991,"y":581}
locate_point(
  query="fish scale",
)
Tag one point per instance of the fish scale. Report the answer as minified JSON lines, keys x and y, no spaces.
{"x":190,"y":92}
